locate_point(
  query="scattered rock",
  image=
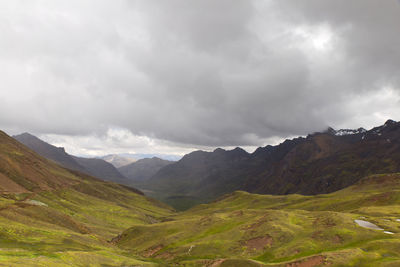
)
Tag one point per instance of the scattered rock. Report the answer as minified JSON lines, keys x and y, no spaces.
{"x":368,"y":225}
{"x":388,"y":232}
{"x":190,"y":249}
{"x":35,"y":202}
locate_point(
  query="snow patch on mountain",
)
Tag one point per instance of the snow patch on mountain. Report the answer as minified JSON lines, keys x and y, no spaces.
{"x":343,"y":132}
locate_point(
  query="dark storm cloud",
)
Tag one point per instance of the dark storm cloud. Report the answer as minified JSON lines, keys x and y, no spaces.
{"x":212,"y":73}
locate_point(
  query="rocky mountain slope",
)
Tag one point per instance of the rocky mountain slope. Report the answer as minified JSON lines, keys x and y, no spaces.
{"x":92,"y":166}
{"x":319,"y":163}
{"x":101,"y":169}
{"x":141,"y":170}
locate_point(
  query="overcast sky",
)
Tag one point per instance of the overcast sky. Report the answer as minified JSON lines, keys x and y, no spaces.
{"x":156,"y":76}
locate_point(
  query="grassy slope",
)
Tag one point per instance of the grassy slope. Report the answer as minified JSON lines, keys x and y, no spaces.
{"x":252,"y":229}
{"x":50,"y":216}
{"x":74,"y":228}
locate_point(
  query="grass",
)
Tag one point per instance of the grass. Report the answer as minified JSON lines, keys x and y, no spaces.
{"x":77,"y":223}
{"x":74,"y":228}
{"x":50,"y":216}
{"x":251,"y":229}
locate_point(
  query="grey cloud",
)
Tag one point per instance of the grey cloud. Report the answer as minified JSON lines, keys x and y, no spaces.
{"x":207,"y":73}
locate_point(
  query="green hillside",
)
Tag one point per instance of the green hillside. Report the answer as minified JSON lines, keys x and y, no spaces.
{"x":245,"y":229}
{"x":50,"y":216}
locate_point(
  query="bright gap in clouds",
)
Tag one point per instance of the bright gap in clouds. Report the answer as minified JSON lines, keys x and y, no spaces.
{"x":318,"y":38}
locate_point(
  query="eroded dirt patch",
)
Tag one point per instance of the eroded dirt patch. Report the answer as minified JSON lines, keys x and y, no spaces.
{"x":153,"y":250}
{"x":165,"y":256}
{"x":309,"y":262}
{"x":258,"y":243}
{"x":255,"y":225}
{"x":216,"y":263}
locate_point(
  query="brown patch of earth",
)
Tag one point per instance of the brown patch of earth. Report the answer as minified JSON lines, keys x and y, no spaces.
{"x":258,"y":243}
{"x":238,"y":213}
{"x":165,"y":256}
{"x":116,"y":239}
{"x":153,"y":250}
{"x":317,"y":235}
{"x":309,"y":262}
{"x":215,"y":263}
{"x":328,"y":222}
{"x":337,"y":239}
{"x":255,"y":225}
{"x":381,"y":197}
{"x":9,"y":186}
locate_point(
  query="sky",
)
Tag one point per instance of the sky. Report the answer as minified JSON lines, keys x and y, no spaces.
{"x":154,"y":76}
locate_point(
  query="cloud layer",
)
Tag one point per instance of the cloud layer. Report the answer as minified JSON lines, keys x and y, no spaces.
{"x":198,"y":73}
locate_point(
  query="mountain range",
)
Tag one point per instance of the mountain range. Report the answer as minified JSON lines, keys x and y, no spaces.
{"x":131,"y":172}
{"x":140,"y":171}
{"x":123,"y":157}
{"x":55,"y":216}
{"x":322,"y":162}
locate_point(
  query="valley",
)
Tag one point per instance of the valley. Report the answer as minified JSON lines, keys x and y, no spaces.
{"x":207,"y":133}
{"x":55,"y":216}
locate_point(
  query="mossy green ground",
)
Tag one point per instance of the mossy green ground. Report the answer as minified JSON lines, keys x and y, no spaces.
{"x":248,"y":229}
{"x":50,"y":216}
{"x":73,"y":227}
{"x":56,"y":217}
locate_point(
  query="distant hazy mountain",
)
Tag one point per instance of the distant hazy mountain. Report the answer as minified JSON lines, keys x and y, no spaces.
{"x":95,"y":167}
{"x":320,"y":163}
{"x":117,"y":160}
{"x":143,"y":169}
{"x":101,"y":169}
{"x":169,"y":157}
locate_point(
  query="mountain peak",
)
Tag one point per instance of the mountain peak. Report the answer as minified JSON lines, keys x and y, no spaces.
{"x":25,"y":135}
{"x":330,"y":130}
{"x":390,"y":122}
